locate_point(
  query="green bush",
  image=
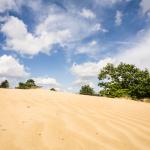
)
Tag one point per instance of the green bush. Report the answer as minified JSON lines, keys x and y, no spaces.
{"x":22,"y":86}
{"x":4,"y":84}
{"x":52,"y":89}
{"x":87,"y":90}
{"x":29,"y":84}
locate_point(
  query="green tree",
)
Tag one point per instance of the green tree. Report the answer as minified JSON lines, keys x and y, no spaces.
{"x":124,"y":80}
{"x":29,"y":84}
{"x":4,"y":84}
{"x":22,"y":86}
{"x":52,"y":89}
{"x":87,"y":90}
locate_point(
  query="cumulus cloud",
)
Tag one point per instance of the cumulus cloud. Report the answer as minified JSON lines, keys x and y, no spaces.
{"x":87,"y":73}
{"x":46,"y":81}
{"x":20,"y":40}
{"x":16,"y":5}
{"x":78,"y":27}
{"x":87,"y":13}
{"x":118,"y":18}
{"x":82,"y":82}
{"x":11,"y":68}
{"x":107,"y":2}
{"x":89,"y":69}
{"x":90,"y":48}
{"x":7,"y":5}
{"x":145,"y":5}
{"x":56,"y":28}
{"x":137,"y":54}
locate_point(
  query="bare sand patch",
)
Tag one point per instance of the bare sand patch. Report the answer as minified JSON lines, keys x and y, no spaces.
{"x":45,"y":120}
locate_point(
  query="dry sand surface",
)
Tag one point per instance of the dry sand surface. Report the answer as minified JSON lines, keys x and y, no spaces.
{"x":44,"y":120}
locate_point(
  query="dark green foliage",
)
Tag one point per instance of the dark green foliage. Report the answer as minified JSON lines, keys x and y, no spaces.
{"x":52,"y":89}
{"x":87,"y":90}
{"x":22,"y":86}
{"x":124,"y":80}
{"x":29,"y":84}
{"x":4,"y":84}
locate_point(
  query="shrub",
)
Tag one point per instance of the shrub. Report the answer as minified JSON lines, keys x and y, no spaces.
{"x":87,"y":90}
{"x":29,"y":84}
{"x":4,"y":84}
{"x":52,"y":89}
{"x":22,"y":86}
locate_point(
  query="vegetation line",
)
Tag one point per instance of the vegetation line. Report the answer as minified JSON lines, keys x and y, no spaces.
{"x":123,"y":80}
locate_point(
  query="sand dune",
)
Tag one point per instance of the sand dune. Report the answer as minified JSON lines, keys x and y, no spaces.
{"x":44,"y":120}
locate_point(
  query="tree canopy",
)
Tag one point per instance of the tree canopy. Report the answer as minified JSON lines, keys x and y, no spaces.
{"x":4,"y":84}
{"x":29,"y":84}
{"x":52,"y":89}
{"x":87,"y":90}
{"x":124,"y":80}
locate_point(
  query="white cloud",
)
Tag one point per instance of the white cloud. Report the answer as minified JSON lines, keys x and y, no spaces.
{"x":107,"y":2}
{"x":57,"y":28}
{"x":139,"y":54}
{"x":81,"y":82}
{"x":118,"y":18}
{"x":11,"y":68}
{"x":78,"y":27}
{"x":46,"y":81}
{"x":89,"y":69}
{"x":20,"y":40}
{"x":90,"y":48}
{"x":87,"y":73}
{"x":14,"y":28}
{"x":145,"y":5}
{"x":98,"y":27}
{"x":6,"y":5}
{"x":87,"y":13}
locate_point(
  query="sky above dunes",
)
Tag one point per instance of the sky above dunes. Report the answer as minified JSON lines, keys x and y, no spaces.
{"x":64,"y":44}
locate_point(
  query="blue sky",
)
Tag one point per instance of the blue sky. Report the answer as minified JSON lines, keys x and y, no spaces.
{"x":64,"y":44}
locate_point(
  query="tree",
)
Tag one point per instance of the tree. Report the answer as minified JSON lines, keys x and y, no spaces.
{"x":29,"y":84}
{"x":4,"y":84}
{"x":21,"y":85}
{"x":124,"y":80}
{"x":52,"y":89}
{"x":87,"y":90}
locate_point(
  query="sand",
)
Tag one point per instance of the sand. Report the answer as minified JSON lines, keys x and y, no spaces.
{"x":43,"y":120}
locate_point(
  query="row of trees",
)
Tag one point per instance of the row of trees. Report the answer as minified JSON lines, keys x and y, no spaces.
{"x":124,"y":80}
{"x":29,"y":84}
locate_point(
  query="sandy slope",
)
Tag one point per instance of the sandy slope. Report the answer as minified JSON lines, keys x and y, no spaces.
{"x":44,"y":120}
